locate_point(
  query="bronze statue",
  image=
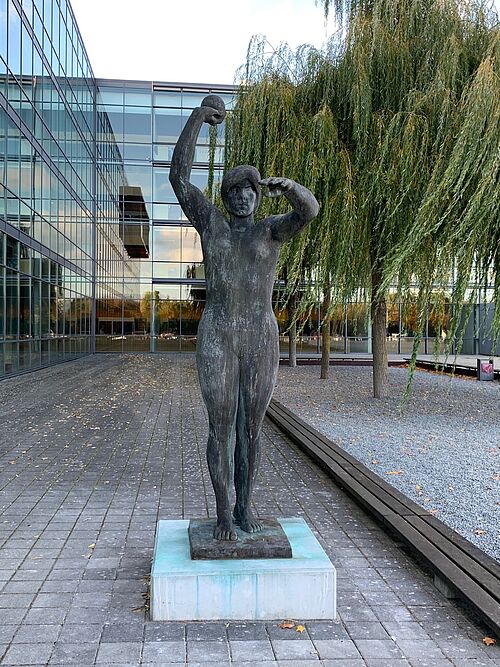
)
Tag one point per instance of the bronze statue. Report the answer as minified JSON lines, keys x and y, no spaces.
{"x":238,"y":346}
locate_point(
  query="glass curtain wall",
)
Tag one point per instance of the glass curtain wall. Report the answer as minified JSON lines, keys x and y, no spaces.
{"x":351,"y":328}
{"x":159,"y":297}
{"x":47,"y":167}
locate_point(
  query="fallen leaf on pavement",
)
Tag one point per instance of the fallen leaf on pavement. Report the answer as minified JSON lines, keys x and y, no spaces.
{"x":489,"y":641}
{"x":286,"y":625}
{"x":300,"y":628}
{"x":394,"y":472}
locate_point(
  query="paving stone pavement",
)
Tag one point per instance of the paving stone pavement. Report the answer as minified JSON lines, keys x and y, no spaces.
{"x":94,"y":452}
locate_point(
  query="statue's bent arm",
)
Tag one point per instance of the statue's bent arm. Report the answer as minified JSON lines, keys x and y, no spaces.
{"x":305,"y":208}
{"x":195,"y":205}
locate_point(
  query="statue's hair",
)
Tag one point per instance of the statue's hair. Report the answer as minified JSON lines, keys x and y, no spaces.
{"x":243,"y":172}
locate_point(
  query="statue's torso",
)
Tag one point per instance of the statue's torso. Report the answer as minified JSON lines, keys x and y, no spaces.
{"x":240,"y":270}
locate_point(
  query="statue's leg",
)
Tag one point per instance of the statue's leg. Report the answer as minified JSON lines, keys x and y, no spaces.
{"x":218,"y":374}
{"x":258,"y":373}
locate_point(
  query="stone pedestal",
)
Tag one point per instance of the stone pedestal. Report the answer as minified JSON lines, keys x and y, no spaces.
{"x":302,"y":587}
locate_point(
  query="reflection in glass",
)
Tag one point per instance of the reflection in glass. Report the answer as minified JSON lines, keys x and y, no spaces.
{"x":11,"y":304}
{"x":139,"y":176}
{"x":167,"y":125}
{"x":111,"y":95}
{"x":14,"y":41}
{"x":190,"y":100}
{"x":138,"y":97}
{"x":137,"y":124}
{"x":168,"y":212}
{"x":3,"y":44}
{"x":167,"y":244}
{"x":166,"y":270}
{"x":191,"y":245}
{"x":194,"y":271}
{"x":167,"y":98}
{"x":163,"y":152}
{"x":358,"y":315}
{"x":137,"y":152}
{"x":162,"y":190}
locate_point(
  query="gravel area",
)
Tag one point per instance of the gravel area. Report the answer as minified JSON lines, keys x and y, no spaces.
{"x":442,"y":449}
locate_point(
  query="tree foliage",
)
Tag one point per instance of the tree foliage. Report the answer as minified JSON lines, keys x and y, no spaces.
{"x":395,"y":126}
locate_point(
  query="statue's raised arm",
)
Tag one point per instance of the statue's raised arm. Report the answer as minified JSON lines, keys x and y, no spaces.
{"x":304,"y":204}
{"x":192,"y":200}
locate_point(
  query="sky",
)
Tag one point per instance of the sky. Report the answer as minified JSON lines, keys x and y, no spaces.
{"x":194,"y":41}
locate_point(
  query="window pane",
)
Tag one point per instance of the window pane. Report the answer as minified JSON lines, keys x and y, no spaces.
{"x":162,"y":190}
{"x":168,"y":124}
{"x":3,"y":34}
{"x":137,"y":125}
{"x":116,"y":120}
{"x":168,"y":212}
{"x":194,"y":271}
{"x":14,"y":54}
{"x":138,"y":97}
{"x":137,"y":152}
{"x":167,"y":98}
{"x":192,"y":100}
{"x":139,"y":177}
{"x":191,"y":245}
{"x":12,"y":304}
{"x":111,"y":95}
{"x":163,"y":153}
{"x":166,"y":270}
{"x":167,"y":243}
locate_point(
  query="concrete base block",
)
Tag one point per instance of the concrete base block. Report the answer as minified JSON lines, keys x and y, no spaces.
{"x":302,"y":587}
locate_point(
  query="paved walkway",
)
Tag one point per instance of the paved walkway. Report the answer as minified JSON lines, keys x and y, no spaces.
{"x":94,"y":452}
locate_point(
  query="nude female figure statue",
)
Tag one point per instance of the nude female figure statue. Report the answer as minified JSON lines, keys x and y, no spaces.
{"x":238,"y":348}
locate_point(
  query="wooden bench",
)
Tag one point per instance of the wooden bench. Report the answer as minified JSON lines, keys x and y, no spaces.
{"x":466,"y":571}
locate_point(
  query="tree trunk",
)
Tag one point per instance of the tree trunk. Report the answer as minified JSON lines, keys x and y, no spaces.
{"x":379,"y":338}
{"x":292,"y":332}
{"x":325,"y":338}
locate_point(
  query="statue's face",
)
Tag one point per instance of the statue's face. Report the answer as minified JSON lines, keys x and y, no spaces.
{"x":241,"y":199}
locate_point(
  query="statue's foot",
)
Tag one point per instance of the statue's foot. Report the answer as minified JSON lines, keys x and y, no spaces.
{"x":224,"y":531}
{"x":248,"y":522}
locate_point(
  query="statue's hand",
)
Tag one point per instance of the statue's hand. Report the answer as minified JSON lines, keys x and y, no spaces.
{"x":276,"y":186}
{"x":214,"y":109}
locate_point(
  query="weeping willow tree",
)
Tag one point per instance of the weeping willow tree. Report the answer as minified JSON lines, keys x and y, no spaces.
{"x":395,"y":127}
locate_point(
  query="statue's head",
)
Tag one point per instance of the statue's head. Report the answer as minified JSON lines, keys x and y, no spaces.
{"x":240,"y":190}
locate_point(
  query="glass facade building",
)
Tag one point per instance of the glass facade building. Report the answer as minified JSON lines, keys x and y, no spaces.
{"x":95,"y":253}
{"x":47,"y":192}
{"x":162,"y":282}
